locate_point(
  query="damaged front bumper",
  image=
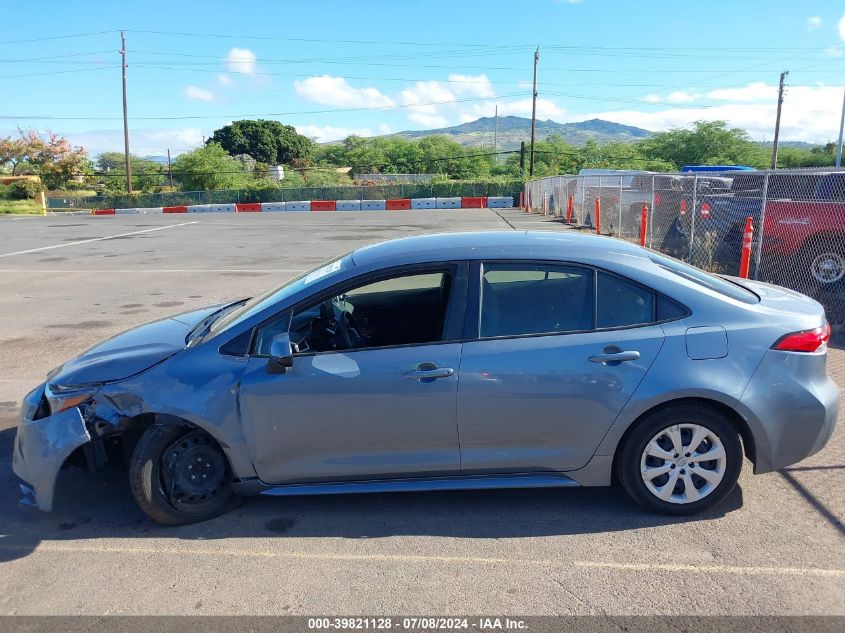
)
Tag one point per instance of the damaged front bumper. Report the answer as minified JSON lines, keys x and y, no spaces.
{"x":42,"y":445}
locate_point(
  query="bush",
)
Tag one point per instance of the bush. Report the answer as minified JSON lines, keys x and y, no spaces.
{"x":24,"y":189}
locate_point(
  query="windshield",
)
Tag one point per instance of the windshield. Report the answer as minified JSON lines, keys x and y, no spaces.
{"x":696,"y":275}
{"x":288,"y":289}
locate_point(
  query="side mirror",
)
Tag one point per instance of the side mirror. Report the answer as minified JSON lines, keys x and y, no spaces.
{"x":281,"y":354}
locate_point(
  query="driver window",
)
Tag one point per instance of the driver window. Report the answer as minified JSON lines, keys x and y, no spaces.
{"x":400,"y":310}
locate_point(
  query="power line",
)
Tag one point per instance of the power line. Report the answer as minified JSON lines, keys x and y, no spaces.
{"x":57,"y":37}
{"x":246,"y":116}
{"x":56,"y":72}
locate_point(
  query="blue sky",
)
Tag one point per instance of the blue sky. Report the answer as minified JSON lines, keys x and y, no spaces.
{"x":372,"y":66}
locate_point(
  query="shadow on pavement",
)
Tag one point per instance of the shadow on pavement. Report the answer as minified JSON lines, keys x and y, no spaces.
{"x":99,"y":505}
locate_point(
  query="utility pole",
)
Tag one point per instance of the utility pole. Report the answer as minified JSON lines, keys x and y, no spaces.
{"x":125,"y":115}
{"x":841,"y":126}
{"x":522,"y":156}
{"x":169,"y":169}
{"x":496,"y":137}
{"x":777,"y":120}
{"x":534,"y":112}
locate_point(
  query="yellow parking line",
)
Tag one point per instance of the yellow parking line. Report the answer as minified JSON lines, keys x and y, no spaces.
{"x":715,"y":569}
{"x":413,"y":558}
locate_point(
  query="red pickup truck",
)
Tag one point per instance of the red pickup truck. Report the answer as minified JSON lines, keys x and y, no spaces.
{"x":803,"y":243}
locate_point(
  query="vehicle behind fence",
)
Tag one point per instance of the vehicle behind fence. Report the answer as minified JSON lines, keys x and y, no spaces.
{"x":798,"y":218}
{"x":381,"y":191}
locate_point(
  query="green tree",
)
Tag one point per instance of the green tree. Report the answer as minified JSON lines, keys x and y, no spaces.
{"x":266,"y":141}
{"x":209,"y":167}
{"x":50,"y":156}
{"x":707,"y":143}
{"x":615,"y":155}
{"x":147,"y":175}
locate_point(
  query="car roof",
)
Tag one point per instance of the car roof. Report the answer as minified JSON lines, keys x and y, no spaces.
{"x":569,"y":245}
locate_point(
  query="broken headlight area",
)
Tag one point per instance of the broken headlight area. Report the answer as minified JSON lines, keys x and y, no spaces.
{"x":59,"y":397}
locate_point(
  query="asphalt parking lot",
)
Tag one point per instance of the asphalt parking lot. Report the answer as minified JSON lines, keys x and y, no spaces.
{"x":777,"y":546}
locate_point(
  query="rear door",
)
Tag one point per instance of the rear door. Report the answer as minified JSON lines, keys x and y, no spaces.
{"x":559,"y":351}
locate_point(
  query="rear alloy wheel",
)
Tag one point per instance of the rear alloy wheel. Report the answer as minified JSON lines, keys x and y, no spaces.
{"x":180,"y":475}
{"x":681,"y":460}
{"x":828,"y":267}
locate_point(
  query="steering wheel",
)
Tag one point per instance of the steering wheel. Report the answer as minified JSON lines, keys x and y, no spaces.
{"x":348,"y":336}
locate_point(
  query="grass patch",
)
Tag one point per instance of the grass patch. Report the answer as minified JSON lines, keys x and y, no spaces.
{"x":20,"y":206}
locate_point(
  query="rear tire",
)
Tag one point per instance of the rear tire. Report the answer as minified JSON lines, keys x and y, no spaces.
{"x":180,"y":475}
{"x":663,"y":463}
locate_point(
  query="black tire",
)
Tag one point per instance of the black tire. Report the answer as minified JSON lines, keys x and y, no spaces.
{"x":630,"y":453}
{"x":822,"y":266}
{"x":161,"y":450}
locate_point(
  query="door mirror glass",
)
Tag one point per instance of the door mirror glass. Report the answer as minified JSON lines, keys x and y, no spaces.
{"x":281,"y":354}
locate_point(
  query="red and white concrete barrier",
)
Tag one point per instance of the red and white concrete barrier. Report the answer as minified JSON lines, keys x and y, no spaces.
{"x":400,"y":204}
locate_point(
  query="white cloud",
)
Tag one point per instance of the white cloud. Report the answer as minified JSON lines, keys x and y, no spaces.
{"x":435,"y":104}
{"x":241,"y":60}
{"x":814,"y":22}
{"x":337,"y":91}
{"x":546,"y":109}
{"x":326,"y":133}
{"x":756,"y":91}
{"x":224,"y":80}
{"x":680,"y":97}
{"x":810,"y":113}
{"x":653,"y":98}
{"x":841,"y":27}
{"x":471,"y":85}
{"x":198,"y":94}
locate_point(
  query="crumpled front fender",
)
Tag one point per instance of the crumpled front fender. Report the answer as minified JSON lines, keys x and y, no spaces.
{"x":43,"y":445}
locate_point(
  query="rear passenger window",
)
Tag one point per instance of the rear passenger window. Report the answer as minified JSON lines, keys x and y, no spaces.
{"x":620,"y":303}
{"x":535,"y":299}
{"x":668,"y":310}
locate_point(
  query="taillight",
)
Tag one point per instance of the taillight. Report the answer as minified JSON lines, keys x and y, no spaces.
{"x":656,"y":199}
{"x":683,"y":206}
{"x":805,"y":341}
{"x":705,"y":210}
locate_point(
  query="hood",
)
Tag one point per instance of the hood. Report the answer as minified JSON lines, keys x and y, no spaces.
{"x":130,"y":352}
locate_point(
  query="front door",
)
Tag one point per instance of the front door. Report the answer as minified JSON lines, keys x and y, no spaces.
{"x":372,"y":393}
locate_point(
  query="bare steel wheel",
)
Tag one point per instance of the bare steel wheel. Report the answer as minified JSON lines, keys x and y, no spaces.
{"x":683,"y":463}
{"x":681,"y":459}
{"x":180,"y":475}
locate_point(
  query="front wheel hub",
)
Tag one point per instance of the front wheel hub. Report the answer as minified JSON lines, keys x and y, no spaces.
{"x":194,"y":470}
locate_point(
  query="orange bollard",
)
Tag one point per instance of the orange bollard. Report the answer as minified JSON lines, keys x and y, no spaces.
{"x":747,"y":238}
{"x":521,"y":202}
{"x":598,"y":216}
{"x":643,"y":224}
{"x":569,"y":208}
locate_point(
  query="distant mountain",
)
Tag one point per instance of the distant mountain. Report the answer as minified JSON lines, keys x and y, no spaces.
{"x":513,"y":129}
{"x":162,"y":160}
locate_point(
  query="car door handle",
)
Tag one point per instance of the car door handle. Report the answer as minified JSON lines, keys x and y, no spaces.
{"x":615,"y":357}
{"x":429,"y":373}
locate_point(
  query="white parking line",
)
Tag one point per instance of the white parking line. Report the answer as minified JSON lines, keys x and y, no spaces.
{"x":95,"y":239}
{"x":410,"y":558}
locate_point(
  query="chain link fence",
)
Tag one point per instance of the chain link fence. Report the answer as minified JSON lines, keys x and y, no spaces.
{"x":383,"y":191}
{"x":798,"y":218}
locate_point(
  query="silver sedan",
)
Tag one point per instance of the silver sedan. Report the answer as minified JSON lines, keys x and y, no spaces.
{"x":457,"y":361}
